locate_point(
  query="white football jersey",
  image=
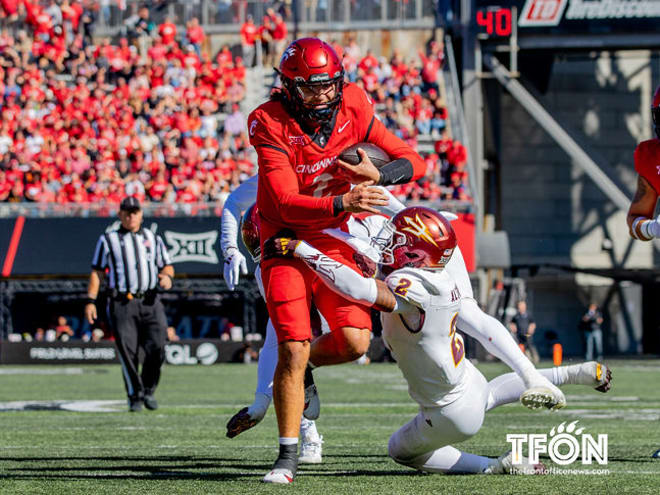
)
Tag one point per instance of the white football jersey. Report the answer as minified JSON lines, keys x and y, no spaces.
{"x":421,"y":334}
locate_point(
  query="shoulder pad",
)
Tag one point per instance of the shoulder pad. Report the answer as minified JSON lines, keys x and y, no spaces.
{"x":407,"y":284}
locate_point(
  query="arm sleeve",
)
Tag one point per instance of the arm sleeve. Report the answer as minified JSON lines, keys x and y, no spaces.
{"x":395,"y":147}
{"x":339,"y":277}
{"x":237,"y":202}
{"x":282,"y":184}
{"x":393,"y":205}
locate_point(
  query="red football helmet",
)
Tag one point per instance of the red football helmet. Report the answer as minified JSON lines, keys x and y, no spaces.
{"x":311,"y":66}
{"x":250,"y":232}
{"x":416,"y":237}
{"x":655,"y":112}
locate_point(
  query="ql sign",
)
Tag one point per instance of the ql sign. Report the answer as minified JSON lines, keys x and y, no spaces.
{"x":181,"y":354}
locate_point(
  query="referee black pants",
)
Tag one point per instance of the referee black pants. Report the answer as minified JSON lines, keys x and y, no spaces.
{"x":139,"y":323}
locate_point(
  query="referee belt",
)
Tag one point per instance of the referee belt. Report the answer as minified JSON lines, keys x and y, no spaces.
{"x":129,"y":296}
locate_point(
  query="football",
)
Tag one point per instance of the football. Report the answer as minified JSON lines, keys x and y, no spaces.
{"x":376,"y":154}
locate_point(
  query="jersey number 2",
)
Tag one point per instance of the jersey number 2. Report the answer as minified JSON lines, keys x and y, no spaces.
{"x":456,"y":344}
{"x":321,"y":182}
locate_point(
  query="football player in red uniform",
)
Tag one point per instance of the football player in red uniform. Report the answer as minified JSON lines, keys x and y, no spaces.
{"x":647,"y":156}
{"x":298,"y":135}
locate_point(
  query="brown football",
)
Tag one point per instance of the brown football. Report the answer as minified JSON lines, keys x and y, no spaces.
{"x":376,"y":154}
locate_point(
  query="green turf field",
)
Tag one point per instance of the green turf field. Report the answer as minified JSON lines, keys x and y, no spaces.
{"x":182,"y":448}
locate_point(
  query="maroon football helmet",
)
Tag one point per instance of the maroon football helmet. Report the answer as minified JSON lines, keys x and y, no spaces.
{"x":416,"y":237}
{"x":250,"y":232}
{"x":655,"y":112}
{"x":310,"y":66}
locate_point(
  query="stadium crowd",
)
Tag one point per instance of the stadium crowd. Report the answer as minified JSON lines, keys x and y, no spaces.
{"x":153,"y":115}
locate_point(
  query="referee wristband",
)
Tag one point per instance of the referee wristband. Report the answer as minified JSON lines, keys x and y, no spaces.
{"x":91,"y":300}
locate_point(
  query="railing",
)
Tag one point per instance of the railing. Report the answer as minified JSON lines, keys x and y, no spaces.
{"x":312,"y":15}
{"x":91,"y":210}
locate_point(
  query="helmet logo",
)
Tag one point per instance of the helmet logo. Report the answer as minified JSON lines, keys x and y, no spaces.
{"x":418,"y":228}
{"x":290,"y":52}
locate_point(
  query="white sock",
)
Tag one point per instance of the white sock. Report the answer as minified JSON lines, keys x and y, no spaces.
{"x":288,"y":440}
{"x":506,"y":389}
{"x":449,"y":459}
{"x":260,"y":405}
{"x":267,"y":362}
{"x":496,"y":339}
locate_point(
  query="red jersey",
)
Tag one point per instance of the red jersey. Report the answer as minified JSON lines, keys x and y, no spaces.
{"x":647,"y":162}
{"x":297,"y":182}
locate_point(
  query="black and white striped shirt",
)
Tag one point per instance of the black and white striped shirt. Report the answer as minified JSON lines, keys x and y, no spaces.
{"x":133,"y":259}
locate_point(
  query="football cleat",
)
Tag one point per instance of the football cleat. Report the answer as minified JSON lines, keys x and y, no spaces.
{"x":240,"y":422}
{"x":312,"y":402}
{"x":279,"y":475}
{"x":543,"y":394}
{"x":603,"y":377}
{"x":504,"y":465}
{"x":310,"y":451}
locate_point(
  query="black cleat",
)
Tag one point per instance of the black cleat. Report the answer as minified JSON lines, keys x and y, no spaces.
{"x":150,"y":402}
{"x":285,"y":467}
{"x":312,"y":402}
{"x":240,"y":422}
{"x":135,"y":405}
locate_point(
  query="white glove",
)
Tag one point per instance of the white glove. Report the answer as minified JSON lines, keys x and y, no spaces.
{"x":235,"y":265}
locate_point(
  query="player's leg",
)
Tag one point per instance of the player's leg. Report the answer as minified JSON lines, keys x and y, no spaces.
{"x":507,"y":388}
{"x":499,"y":342}
{"x":350,"y":325}
{"x":288,"y":298}
{"x":249,"y":416}
{"x":122,"y":321}
{"x":425,"y":443}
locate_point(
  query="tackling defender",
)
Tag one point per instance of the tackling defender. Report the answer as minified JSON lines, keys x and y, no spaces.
{"x":421,"y":307}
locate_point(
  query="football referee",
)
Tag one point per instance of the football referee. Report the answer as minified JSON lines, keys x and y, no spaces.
{"x":137,"y":263}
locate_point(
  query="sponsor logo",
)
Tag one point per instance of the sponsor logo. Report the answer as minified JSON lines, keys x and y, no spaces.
{"x":344,"y":126}
{"x":253,"y":126}
{"x":564,"y":445}
{"x":320,"y":165}
{"x":542,"y":13}
{"x":192,"y":247}
{"x":72,"y":353}
{"x":289,"y":52}
{"x":178,"y":354}
{"x":539,"y":13}
{"x":319,"y":77}
{"x":299,"y":140}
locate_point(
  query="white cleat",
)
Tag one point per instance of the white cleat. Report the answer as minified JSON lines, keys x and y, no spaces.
{"x":542,"y":393}
{"x":505,"y":465}
{"x":310,"y":451}
{"x":279,"y":475}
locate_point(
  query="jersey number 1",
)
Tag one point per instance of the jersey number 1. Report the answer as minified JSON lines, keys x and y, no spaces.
{"x":456,"y":344}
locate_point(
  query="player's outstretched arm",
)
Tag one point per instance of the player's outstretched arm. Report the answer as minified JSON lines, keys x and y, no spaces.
{"x":337,"y":276}
{"x":640,"y":214}
{"x":238,"y":201}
